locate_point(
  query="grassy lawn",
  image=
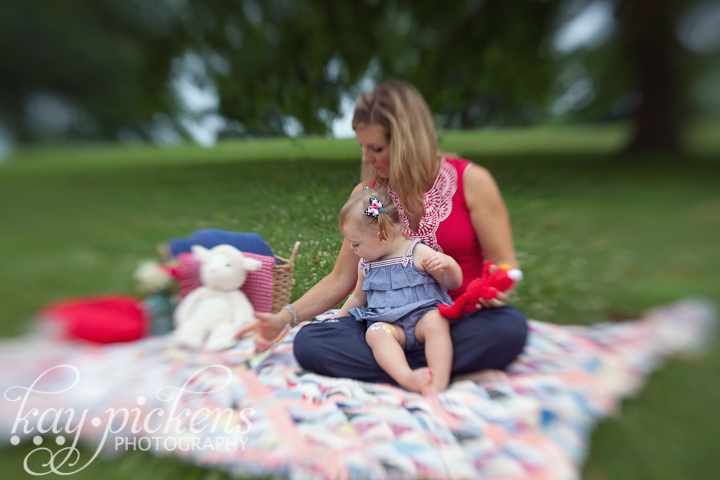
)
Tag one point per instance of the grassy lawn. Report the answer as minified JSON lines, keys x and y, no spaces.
{"x":599,"y":236}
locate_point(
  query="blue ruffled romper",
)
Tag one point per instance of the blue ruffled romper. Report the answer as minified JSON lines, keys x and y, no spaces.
{"x":398,"y":293}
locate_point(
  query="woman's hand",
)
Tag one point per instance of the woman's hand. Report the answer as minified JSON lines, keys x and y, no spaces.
{"x":266,"y":328}
{"x":498,"y":301}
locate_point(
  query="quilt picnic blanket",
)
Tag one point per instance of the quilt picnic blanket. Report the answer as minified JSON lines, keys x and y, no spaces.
{"x":212,"y":410}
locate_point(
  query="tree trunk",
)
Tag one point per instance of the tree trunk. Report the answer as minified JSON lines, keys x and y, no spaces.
{"x":650,"y":45}
{"x":465,"y":122}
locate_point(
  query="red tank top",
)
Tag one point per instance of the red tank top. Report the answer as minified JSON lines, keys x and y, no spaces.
{"x":445,"y":225}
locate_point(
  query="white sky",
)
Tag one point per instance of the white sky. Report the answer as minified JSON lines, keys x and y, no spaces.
{"x":342,"y":126}
{"x":591,"y":27}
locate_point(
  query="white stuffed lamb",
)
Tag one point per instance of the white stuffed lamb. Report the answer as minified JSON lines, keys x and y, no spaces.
{"x":211,"y":316}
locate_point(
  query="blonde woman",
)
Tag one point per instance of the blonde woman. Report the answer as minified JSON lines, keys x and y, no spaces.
{"x":453,"y":206}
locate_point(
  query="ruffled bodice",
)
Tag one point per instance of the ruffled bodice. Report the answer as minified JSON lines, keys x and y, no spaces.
{"x":396,"y":288}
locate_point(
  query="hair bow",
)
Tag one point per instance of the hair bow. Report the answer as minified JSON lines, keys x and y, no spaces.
{"x":375,"y":208}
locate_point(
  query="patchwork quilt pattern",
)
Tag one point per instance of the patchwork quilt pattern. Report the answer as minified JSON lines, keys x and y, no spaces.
{"x":213,"y":410}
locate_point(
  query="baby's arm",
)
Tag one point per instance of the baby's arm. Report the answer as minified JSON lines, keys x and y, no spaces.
{"x":357,"y":299}
{"x":443,"y":268}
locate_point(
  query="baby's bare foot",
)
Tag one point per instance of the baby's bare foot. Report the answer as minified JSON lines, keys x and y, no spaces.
{"x":431,"y":390}
{"x":417,"y":380}
{"x":436,"y":386}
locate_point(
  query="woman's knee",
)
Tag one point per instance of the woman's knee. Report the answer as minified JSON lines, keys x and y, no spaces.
{"x":512,"y":324}
{"x":337,"y":348}
{"x":511,"y":330}
{"x":490,"y":338}
{"x":305,"y":346}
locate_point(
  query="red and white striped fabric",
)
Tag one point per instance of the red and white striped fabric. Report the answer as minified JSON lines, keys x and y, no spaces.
{"x":406,"y":259}
{"x":258,"y":286}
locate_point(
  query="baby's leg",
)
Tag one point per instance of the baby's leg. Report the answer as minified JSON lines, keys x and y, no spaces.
{"x":433,"y":330}
{"x":387,"y":342}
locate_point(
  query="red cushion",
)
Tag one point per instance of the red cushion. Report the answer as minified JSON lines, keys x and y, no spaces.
{"x":101,"y":319}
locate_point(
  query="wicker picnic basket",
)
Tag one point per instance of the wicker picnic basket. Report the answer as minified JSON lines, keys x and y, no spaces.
{"x":282,"y":273}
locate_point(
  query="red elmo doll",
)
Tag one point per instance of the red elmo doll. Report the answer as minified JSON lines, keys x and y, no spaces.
{"x":485,"y":287}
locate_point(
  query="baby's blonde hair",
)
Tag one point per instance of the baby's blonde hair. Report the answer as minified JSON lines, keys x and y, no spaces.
{"x":354,"y":209}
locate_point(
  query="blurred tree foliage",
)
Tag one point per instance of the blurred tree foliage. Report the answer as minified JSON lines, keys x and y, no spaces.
{"x":296,"y":58}
{"x":477,"y":62}
{"x":643,"y":72}
{"x":115,"y":64}
{"x":277,"y":58}
{"x":84,"y":68}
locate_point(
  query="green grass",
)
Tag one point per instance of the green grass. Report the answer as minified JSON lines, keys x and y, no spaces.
{"x":599,"y":237}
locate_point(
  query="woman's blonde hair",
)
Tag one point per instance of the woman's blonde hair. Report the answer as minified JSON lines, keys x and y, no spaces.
{"x":398,"y":110}
{"x":357,"y":204}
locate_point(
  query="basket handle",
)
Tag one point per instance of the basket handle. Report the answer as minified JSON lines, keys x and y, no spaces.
{"x":294,"y":252}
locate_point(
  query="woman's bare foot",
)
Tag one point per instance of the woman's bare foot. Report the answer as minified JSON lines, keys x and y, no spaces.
{"x":480,"y":376}
{"x":417,"y":380}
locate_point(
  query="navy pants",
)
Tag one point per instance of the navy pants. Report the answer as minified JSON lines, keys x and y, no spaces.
{"x":487,"y":338}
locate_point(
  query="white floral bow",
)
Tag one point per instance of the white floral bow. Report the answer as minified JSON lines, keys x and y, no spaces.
{"x":375,"y":208}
